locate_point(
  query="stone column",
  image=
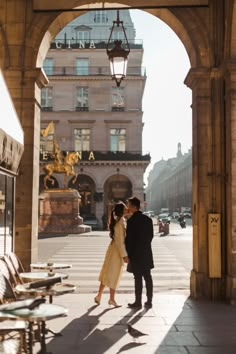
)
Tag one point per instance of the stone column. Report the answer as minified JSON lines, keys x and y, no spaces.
{"x":230,"y":109}
{"x":25,"y":92}
{"x":208,"y":175}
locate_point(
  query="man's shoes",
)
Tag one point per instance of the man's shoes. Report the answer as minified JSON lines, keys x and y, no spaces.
{"x":148,"y":305}
{"x":135,"y":305}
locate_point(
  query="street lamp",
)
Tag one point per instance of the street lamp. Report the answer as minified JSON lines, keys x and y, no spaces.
{"x":118,"y":55}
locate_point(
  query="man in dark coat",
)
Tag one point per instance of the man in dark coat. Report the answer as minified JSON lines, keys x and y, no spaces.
{"x":139,"y":235}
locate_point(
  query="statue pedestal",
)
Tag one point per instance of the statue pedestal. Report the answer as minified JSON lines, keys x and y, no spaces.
{"x":59,"y":212}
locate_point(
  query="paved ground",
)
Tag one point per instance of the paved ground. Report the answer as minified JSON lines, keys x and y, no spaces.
{"x":176,"y":323}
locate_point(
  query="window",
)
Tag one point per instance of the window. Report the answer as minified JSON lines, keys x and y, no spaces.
{"x":82,"y":35}
{"x":82,"y":98}
{"x":117,"y":139}
{"x":6,"y":213}
{"x":48,"y":66}
{"x":46,"y":98}
{"x":82,"y":66}
{"x":100,"y":16}
{"x":117,"y":96}
{"x":117,"y":34}
{"x":82,"y":139}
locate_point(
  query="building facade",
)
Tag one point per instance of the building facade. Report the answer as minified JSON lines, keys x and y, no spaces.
{"x":11,"y":150}
{"x":170,"y":183}
{"x":92,"y":116}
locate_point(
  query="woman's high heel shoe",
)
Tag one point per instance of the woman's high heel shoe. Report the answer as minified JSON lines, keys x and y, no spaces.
{"x":97,"y":300}
{"x":113,"y":303}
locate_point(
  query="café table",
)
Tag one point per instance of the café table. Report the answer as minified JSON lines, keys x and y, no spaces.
{"x":40,"y":315}
{"x":49,"y":266}
{"x":33,"y":276}
{"x":54,"y":290}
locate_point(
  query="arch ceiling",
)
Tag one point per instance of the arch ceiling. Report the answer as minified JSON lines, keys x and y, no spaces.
{"x":85,"y":4}
{"x":187,"y":23}
{"x":232,"y":34}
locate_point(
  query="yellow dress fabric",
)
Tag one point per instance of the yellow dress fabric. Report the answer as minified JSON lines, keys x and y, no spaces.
{"x":113,"y":263}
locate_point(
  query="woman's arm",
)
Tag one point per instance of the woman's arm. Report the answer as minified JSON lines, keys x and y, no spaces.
{"x":119,"y":238}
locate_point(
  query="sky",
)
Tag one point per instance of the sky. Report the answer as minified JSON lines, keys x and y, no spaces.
{"x":166,"y":102}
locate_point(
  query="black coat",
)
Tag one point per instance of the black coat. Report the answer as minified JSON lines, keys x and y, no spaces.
{"x":139,"y":235}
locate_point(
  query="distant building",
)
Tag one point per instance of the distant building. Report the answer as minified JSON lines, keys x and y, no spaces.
{"x":170,"y":183}
{"x":94,"y":117}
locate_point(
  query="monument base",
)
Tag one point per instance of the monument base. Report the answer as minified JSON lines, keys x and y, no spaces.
{"x":59,"y":212}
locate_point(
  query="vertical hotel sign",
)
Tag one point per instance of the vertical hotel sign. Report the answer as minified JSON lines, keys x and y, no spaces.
{"x":214,"y":245}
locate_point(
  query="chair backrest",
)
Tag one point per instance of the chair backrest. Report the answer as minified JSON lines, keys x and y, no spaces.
{"x":6,"y":291}
{"x":16,"y":262}
{"x":4,"y":269}
{"x":14,"y":275}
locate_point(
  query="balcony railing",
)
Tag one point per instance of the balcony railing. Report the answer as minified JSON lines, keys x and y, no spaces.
{"x":118,"y":108}
{"x":90,"y":71}
{"x":47,"y":109}
{"x":102,"y":156}
{"x":73,"y":43}
{"x":80,"y":109}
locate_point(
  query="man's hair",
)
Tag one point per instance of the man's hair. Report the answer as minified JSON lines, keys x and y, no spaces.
{"x":135,"y":202}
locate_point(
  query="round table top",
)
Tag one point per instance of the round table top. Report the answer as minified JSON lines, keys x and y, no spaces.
{"x":42,"y":275}
{"x":55,"y":290}
{"x":43,"y":312}
{"x":49,"y":266}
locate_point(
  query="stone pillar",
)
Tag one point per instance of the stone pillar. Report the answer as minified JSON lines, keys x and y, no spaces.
{"x":230,"y":109}
{"x":25,"y":92}
{"x":208,"y":175}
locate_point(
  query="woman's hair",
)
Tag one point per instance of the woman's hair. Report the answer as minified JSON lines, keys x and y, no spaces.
{"x":116,"y":214}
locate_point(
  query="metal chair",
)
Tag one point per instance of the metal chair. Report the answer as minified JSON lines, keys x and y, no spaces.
{"x":16,"y":262}
{"x":4,"y":269}
{"x":14,"y":274}
{"x":12,"y":332}
{"x":32,"y":317}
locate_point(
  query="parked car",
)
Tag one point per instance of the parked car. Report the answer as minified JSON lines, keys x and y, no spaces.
{"x":164,"y":217}
{"x":175,"y":215}
{"x":188,"y":215}
{"x":91,"y":221}
{"x":149,"y":213}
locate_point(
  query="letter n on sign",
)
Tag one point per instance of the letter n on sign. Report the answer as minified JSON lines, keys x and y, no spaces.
{"x":214,"y":245}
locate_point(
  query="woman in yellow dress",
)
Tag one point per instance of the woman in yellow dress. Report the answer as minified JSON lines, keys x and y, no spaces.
{"x":116,"y":255}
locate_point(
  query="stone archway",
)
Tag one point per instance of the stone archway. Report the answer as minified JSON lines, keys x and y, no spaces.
{"x":209,"y":39}
{"x":86,"y":188}
{"x":116,"y":188}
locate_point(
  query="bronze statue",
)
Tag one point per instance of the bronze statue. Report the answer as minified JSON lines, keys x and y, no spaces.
{"x":58,"y":156}
{"x":61,"y":164}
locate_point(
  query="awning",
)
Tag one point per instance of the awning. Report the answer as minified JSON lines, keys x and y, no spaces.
{"x":11,"y":132}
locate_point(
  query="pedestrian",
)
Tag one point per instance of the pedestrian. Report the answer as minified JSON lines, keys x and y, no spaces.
{"x":116,"y":254}
{"x":139,"y":235}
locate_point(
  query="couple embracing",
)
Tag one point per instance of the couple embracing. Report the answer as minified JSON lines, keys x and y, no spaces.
{"x":130,"y":244}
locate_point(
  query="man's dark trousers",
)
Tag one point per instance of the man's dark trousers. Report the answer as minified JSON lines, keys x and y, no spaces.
{"x":138,"y":283}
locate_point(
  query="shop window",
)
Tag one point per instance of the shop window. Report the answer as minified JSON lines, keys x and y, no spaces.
{"x":118,"y":140}
{"x":6,"y":213}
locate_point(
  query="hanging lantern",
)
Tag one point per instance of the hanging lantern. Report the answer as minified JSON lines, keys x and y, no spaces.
{"x":118,"y":55}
